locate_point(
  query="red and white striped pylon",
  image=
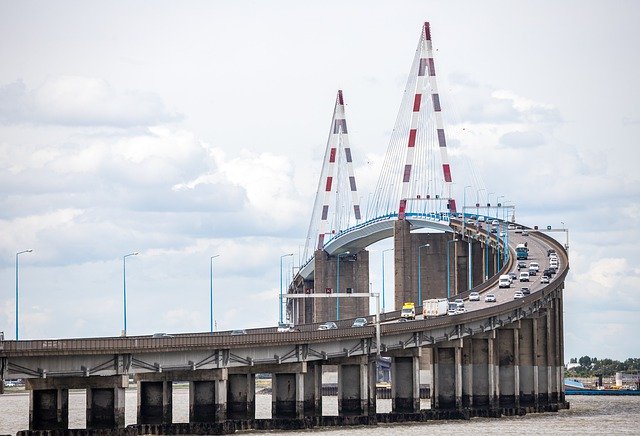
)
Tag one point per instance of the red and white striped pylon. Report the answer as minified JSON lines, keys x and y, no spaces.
{"x":426,"y":65}
{"x":338,"y":141}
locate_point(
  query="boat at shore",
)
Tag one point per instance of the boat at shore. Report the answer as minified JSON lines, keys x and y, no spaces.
{"x":575,"y":387}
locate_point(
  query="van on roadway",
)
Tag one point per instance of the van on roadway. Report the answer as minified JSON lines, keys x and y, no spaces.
{"x":504,"y":281}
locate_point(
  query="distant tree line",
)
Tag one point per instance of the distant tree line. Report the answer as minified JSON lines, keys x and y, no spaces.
{"x":592,"y":366}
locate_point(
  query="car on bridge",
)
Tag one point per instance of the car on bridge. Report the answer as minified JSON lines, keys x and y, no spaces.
{"x":521,"y":264}
{"x":525,"y":290}
{"x":513,"y":276}
{"x":284,"y":328}
{"x":544,"y":280}
{"x":518,"y":295}
{"x":238,"y":332}
{"x":359,"y":322}
{"x":329,"y":325}
{"x":490,"y":298}
{"x":524,"y":276}
{"x":474,"y":296}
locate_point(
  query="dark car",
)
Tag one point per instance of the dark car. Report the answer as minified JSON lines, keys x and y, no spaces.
{"x":513,"y":276}
{"x":525,"y":290}
{"x":550,"y":251}
{"x":522,"y":264}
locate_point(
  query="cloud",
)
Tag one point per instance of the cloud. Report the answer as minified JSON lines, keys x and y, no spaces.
{"x":80,"y":101}
{"x":530,"y":139}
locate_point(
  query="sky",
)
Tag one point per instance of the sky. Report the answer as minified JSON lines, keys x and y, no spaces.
{"x":185,"y":130}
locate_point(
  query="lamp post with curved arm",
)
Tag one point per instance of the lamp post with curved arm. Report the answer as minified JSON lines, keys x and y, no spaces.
{"x":17,"y":294}
{"x":124,"y":289}
{"x":211,"y":292}
{"x":282,"y":257}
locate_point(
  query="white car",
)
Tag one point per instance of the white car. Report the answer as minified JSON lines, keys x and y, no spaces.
{"x":511,"y":227}
{"x":534,"y":265}
{"x":524,"y":276}
{"x":490,"y":298}
{"x":518,"y":295}
{"x":474,"y":296}
{"x":460,"y":309}
{"x":544,"y":280}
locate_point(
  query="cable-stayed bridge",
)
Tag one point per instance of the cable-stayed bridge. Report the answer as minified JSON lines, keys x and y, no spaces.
{"x":497,"y":356}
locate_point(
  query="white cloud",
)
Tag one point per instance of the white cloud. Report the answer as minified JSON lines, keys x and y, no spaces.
{"x":80,"y":101}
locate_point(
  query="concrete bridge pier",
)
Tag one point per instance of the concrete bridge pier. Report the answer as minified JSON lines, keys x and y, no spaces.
{"x":155,"y":403}
{"x":48,"y":409}
{"x":508,"y":369}
{"x":526,"y":364}
{"x":479,"y":371}
{"x":208,"y":396}
{"x":241,"y":396}
{"x":105,"y":407}
{"x":405,"y":381}
{"x":477,"y":265}
{"x":540,"y":370}
{"x":357,"y":386}
{"x":313,"y":390}
{"x":446,"y":392}
{"x":287,"y":398}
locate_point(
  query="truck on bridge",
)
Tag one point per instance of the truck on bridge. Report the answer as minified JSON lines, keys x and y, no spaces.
{"x":408,"y":311}
{"x":522,"y":252}
{"x":435,"y":307}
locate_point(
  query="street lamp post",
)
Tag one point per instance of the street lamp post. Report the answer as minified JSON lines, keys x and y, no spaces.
{"x":448,"y":269}
{"x":282,"y":257}
{"x":478,"y":201}
{"x":211,"y":292}
{"x":124,"y":288}
{"x":464,"y":206}
{"x":346,"y":253}
{"x":17,"y":254}
{"x":383,"y":252}
{"x":419,"y":276}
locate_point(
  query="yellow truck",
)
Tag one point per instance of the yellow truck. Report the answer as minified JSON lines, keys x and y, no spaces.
{"x":408,"y":311}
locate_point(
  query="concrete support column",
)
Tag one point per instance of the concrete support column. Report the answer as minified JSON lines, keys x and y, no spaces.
{"x":354,"y":388}
{"x":493,"y":368}
{"x":526,"y":365}
{"x":405,"y":381}
{"x":507,"y":367}
{"x":467,"y":372}
{"x":542,"y":373}
{"x":105,"y":408}
{"x":208,"y":400}
{"x":354,"y":275}
{"x":462,"y":266}
{"x":561,"y":346}
{"x":553,"y":353}
{"x":241,"y":396}
{"x":479,"y":373}
{"x":447,"y":377}
{"x":313,"y":390}
{"x":287,"y":398}
{"x":49,"y":409}
{"x":155,"y":403}
{"x":477,"y":262}
{"x":432,"y":268}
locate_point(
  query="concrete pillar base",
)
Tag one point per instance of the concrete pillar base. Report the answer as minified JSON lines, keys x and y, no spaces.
{"x":49,"y":409}
{"x":105,"y":408}
{"x":155,"y":405}
{"x":241,"y":396}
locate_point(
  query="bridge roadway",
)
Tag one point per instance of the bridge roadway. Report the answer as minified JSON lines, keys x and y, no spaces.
{"x":515,"y":345}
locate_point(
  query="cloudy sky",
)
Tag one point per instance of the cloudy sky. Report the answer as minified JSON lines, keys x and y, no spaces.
{"x":184,"y":130}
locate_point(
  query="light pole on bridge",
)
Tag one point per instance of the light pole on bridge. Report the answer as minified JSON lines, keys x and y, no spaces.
{"x":282,"y":257}
{"x":478,"y":201}
{"x":211,"y":292}
{"x":448,"y":269}
{"x":18,"y":254}
{"x":124,"y":289}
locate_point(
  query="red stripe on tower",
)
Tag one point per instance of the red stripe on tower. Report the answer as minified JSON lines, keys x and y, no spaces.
{"x":332,"y":155}
{"x":328,"y":187}
{"x":447,"y":172}
{"x":416,"y":102}
{"x":412,"y":137}
{"x":340,"y":100}
{"x":427,"y":31}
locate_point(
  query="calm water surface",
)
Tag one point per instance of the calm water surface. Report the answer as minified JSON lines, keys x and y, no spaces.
{"x":588,"y":415}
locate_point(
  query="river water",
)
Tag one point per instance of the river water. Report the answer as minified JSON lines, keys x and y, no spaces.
{"x":593,"y":415}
